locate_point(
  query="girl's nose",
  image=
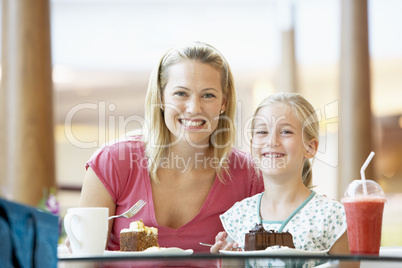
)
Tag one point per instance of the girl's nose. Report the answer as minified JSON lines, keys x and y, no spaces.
{"x":272,"y":140}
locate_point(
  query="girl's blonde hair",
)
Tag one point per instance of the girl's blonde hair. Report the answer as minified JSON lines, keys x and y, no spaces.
{"x":157,"y":139}
{"x":305,"y":112}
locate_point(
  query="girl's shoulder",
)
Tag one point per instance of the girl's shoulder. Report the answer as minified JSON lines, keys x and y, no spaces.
{"x":323,"y":201}
{"x":247,"y":203}
{"x":241,"y":217}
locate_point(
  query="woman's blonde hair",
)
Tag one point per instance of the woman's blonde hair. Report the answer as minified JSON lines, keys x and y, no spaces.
{"x":305,"y":112}
{"x":157,"y":139}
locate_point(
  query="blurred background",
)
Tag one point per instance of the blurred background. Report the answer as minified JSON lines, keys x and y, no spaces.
{"x":104,"y":50}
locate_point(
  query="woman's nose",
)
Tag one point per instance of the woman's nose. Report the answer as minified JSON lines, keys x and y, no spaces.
{"x":194,"y":106}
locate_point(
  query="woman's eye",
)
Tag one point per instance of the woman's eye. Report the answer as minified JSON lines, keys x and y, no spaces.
{"x":209,"y":95}
{"x":180,"y":93}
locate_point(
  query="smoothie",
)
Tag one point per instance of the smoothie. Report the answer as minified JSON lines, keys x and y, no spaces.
{"x":364,"y":220}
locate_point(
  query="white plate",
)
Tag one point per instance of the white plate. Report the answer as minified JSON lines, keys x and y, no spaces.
{"x":152,"y":252}
{"x":277,"y":251}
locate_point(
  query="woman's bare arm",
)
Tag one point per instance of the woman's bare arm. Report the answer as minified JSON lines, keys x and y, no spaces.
{"x":94,"y":194}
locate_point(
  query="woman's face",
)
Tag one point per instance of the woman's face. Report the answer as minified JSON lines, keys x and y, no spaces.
{"x":192,"y":101}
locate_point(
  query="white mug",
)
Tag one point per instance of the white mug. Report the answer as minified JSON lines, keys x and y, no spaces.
{"x":87,"y":229}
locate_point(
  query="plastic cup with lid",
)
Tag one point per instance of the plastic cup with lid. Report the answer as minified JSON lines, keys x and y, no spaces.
{"x":364,"y":204}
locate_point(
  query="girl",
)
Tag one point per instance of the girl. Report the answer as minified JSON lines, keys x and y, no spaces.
{"x":285,"y":134}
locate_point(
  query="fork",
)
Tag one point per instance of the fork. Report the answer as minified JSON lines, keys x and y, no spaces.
{"x":210,"y":245}
{"x":132,"y":211}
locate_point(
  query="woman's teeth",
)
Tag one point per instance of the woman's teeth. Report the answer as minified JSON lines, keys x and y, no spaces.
{"x":190,"y":123}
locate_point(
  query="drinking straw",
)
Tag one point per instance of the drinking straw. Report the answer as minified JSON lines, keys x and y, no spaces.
{"x":363,"y":169}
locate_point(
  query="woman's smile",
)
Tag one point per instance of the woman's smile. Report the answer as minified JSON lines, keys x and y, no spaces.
{"x":192,"y":123}
{"x":193,"y":99}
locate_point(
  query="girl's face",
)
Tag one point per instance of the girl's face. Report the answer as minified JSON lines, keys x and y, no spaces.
{"x":277,"y":144}
{"x":192,"y":101}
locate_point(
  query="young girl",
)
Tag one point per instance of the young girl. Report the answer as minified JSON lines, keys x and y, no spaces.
{"x":284,"y":138}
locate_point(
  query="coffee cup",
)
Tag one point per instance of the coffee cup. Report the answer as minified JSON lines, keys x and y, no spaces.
{"x":87,"y":229}
{"x":364,"y":204}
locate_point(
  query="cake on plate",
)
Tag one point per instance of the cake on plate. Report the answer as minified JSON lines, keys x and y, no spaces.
{"x":138,"y":237}
{"x":259,"y":239}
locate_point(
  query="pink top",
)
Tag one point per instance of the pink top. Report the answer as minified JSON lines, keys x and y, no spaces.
{"x":122,"y":168}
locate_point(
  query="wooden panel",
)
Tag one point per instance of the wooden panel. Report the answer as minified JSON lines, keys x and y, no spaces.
{"x":27,"y":89}
{"x":355,"y":131}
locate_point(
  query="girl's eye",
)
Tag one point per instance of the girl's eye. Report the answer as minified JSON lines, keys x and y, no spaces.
{"x":261,"y":132}
{"x":286,"y":132}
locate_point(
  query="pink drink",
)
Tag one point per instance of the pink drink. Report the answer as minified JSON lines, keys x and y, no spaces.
{"x":364,"y":220}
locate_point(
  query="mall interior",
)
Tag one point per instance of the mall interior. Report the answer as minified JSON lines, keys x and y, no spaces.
{"x":74,"y":74}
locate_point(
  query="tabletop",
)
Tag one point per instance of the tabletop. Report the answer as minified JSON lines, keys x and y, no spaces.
{"x":389,"y":257}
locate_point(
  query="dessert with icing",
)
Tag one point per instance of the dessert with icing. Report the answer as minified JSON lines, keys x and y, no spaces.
{"x":138,"y":237}
{"x":260,"y":239}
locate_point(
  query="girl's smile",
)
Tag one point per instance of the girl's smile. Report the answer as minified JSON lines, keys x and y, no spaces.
{"x":272,"y":154}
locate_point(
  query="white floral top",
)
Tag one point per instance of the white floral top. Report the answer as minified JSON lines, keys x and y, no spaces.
{"x":315,"y":225}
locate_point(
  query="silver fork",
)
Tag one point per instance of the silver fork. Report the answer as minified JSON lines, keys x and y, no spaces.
{"x":132,"y":211}
{"x":210,"y":245}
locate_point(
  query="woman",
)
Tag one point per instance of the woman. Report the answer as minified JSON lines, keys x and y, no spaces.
{"x":184,"y":167}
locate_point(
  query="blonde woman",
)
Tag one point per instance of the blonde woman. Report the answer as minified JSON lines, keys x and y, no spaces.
{"x":184,"y":165}
{"x":284,"y":140}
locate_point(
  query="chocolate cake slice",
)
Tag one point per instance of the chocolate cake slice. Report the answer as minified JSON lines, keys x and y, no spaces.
{"x":259,"y":239}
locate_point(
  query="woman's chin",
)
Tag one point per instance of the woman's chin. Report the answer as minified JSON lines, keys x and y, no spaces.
{"x":198,"y":140}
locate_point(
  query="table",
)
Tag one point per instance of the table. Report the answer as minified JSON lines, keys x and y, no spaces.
{"x":389,"y":257}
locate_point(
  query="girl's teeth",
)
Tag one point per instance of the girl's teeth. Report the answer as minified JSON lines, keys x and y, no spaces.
{"x":273,"y":155}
